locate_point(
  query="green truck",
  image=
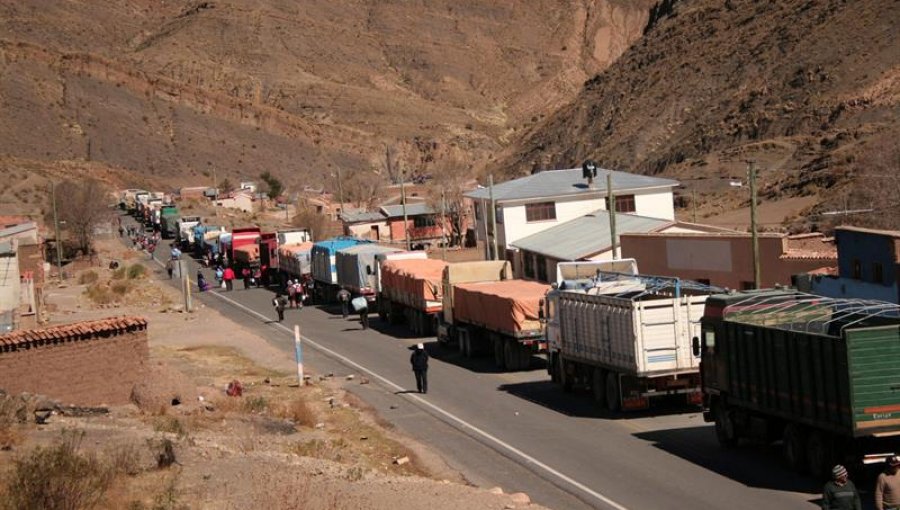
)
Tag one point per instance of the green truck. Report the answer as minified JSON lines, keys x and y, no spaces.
{"x":168,"y":223}
{"x":821,"y":375}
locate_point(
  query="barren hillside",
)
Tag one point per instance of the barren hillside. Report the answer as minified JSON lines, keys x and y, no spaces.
{"x":178,"y":91}
{"x":809,"y":90}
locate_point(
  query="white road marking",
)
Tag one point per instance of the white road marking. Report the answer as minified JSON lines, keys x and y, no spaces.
{"x":450,"y":416}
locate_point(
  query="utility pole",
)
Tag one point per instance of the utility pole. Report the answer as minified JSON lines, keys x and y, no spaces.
{"x":185,"y":286}
{"x":215,"y":193}
{"x":694,"y":205}
{"x":754,"y":235}
{"x":56,"y":228}
{"x":340,"y":188}
{"x":403,"y":203}
{"x":496,"y":255}
{"x":612,"y":216}
{"x":443,"y":225}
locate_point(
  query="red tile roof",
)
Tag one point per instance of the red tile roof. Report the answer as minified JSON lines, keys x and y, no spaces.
{"x":86,"y":330}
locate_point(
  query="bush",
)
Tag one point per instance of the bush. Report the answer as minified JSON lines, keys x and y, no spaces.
{"x":100,"y":294}
{"x":298,"y":411}
{"x":136,"y":271}
{"x":120,"y":288}
{"x":58,"y":477}
{"x":255,"y":404}
{"x":119,"y":274}
{"x":87,"y":277}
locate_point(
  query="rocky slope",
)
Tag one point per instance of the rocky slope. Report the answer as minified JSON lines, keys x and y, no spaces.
{"x":183,"y":90}
{"x":805,"y":89}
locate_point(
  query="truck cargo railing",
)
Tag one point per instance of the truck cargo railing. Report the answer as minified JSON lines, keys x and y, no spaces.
{"x":810,"y":313}
{"x":637,"y":286}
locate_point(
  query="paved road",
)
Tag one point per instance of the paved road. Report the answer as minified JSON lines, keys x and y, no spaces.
{"x":522,"y":433}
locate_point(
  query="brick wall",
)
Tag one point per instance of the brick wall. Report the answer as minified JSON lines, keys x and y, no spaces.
{"x":85,"y":363}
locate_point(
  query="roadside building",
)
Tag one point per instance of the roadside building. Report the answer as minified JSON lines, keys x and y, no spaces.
{"x":195,"y":193}
{"x":587,"y":237}
{"x":23,"y":287}
{"x":422,"y":225}
{"x":10,"y":289}
{"x":868,"y":266}
{"x":241,"y":200}
{"x":541,"y":201}
{"x":726,"y":259}
{"x":366,"y":225}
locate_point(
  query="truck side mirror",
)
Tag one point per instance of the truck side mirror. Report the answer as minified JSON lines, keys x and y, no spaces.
{"x":695,"y":345}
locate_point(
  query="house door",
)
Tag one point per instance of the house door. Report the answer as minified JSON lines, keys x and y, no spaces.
{"x":374,"y":234}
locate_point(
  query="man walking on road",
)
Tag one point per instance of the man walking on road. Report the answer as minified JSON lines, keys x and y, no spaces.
{"x":361,"y":306}
{"x":343,"y":296}
{"x":887,"y":487}
{"x":419,"y":362}
{"x":279,"y":303}
{"x":228,"y":276}
{"x":840,"y":493}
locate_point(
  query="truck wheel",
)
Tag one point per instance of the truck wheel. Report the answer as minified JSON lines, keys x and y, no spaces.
{"x":510,"y":357}
{"x":724,"y":427}
{"x":566,"y":378}
{"x":598,"y":387}
{"x":820,"y":454}
{"x":613,"y":395}
{"x":794,"y":447}
{"x":524,"y":356}
{"x":553,"y":368}
{"x":497,"y":346}
{"x":466,"y":345}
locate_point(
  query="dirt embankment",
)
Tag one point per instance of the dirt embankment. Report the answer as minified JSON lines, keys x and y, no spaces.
{"x":184,"y":443}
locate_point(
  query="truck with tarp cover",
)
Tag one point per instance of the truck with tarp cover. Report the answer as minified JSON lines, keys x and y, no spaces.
{"x":486,"y":311}
{"x":295,"y":262}
{"x":624,"y":336}
{"x":324,"y":265}
{"x":356,"y":269}
{"x":168,"y":221}
{"x":409,"y":290}
{"x":819,"y":374}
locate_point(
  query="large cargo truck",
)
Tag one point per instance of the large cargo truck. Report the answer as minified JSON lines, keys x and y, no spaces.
{"x":819,"y":374}
{"x":185,"y":231}
{"x":324,"y":266}
{"x":356,"y":269}
{"x":240,"y":237}
{"x":409,"y":290}
{"x":626,"y":337}
{"x":486,"y":311}
{"x":201,"y":233}
{"x":295,"y":261}
{"x":168,"y":221}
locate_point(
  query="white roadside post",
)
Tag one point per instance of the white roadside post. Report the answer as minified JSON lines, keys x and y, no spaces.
{"x":298,"y":353}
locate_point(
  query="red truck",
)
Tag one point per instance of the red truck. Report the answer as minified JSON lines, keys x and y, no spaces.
{"x":241,"y":237}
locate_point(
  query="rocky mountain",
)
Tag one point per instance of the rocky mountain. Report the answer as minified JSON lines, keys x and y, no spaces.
{"x":177,"y":91}
{"x":808,"y":90}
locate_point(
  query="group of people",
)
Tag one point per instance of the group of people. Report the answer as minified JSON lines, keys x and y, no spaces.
{"x":141,"y":240}
{"x":841,"y":494}
{"x":296,"y":293}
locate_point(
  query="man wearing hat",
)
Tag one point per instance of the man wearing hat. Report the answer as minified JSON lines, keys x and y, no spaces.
{"x":419,"y":362}
{"x":840,"y":493}
{"x":887,"y":488}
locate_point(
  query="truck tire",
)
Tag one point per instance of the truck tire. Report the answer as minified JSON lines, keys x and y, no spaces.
{"x":793,"y":447}
{"x":524,"y":356}
{"x":613,"y":393}
{"x":497,"y":346}
{"x":567,"y":380}
{"x":725,"y":432}
{"x":598,"y":387}
{"x":553,"y":368}
{"x":819,"y":454}
{"x":510,"y":356}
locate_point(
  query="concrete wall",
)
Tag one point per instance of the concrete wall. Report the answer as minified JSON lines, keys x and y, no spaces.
{"x":100,"y":367}
{"x":724,"y":260}
{"x":10,"y":288}
{"x":365,"y":230}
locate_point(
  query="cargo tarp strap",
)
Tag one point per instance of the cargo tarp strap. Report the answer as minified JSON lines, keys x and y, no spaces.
{"x":877,"y":307}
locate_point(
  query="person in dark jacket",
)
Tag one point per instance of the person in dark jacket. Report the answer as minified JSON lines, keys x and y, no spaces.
{"x":840,"y":493}
{"x":343,"y":296}
{"x":419,"y":362}
{"x":280,"y":302}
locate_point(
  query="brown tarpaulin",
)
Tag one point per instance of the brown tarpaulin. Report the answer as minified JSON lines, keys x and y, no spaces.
{"x":508,"y":305}
{"x":247,"y":254}
{"x":413,"y":281}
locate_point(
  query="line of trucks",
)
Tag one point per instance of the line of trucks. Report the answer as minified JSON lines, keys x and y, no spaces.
{"x":819,"y":376}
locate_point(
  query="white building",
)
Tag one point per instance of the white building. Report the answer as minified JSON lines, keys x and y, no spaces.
{"x":544,"y":200}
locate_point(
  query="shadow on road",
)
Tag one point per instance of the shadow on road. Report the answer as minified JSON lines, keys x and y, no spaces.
{"x":482,"y":364}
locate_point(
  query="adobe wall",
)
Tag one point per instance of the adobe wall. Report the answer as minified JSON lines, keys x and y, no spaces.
{"x":86,"y":363}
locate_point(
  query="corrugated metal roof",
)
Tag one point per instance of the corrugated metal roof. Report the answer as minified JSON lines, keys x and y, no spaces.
{"x":7,"y":248}
{"x":18,"y":229}
{"x":394,"y":211}
{"x":362,"y":216}
{"x":587,"y":235}
{"x":556,"y":183}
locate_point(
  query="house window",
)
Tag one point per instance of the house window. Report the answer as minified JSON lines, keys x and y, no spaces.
{"x":477,"y":211}
{"x":498,"y":213}
{"x":747,"y":285}
{"x":857,"y":269}
{"x":541,"y":268}
{"x":542,"y":211}
{"x":877,"y":272}
{"x":423,"y":221}
{"x":528,"y":265}
{"x":624,"y":204}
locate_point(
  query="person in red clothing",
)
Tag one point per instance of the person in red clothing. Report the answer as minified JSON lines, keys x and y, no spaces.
{"x":228,"y":276}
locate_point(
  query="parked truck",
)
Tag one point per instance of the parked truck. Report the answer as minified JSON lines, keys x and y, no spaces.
{"x":819,"y":374}
{"x":285,"y":241}
{"x":185,"y":231}
{"x":486,"y":311}
{"x":625,"y":336}
{"x":409,"y":290}
{"x":356,"y":269}
{"x":295,"y":261}
{"x":168,"y":221}
{"x":240,"y":237}
{"x":324,"y":266}
{"x":201,"y":233}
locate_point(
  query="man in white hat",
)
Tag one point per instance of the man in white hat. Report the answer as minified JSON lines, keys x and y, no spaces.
{"x":887,"y":487}
{"x":419,"y":362}
{"x":840,"y":493}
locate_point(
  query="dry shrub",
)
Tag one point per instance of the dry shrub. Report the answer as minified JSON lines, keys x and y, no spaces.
{"x":125,"y":459}
{"x":119,"y":274}
{"x":255,"y":404}
{"x":88,"y":277}
{"x":170,"y":424}
{"x":120,"y":288}
{"x":136,"y":271}
{"x":100,"y":294}
{"x":298,"y":411}
{"x":57,"y":477}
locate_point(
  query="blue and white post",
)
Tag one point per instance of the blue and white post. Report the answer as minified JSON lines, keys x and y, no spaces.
{"x":298,"y":353}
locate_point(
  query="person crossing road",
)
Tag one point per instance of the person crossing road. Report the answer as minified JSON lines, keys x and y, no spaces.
{"x":419,"y":362}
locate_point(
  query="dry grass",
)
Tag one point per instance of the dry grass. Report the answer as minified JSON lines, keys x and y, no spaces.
{"x":88,"y":277}
{"x":299,"y":411}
